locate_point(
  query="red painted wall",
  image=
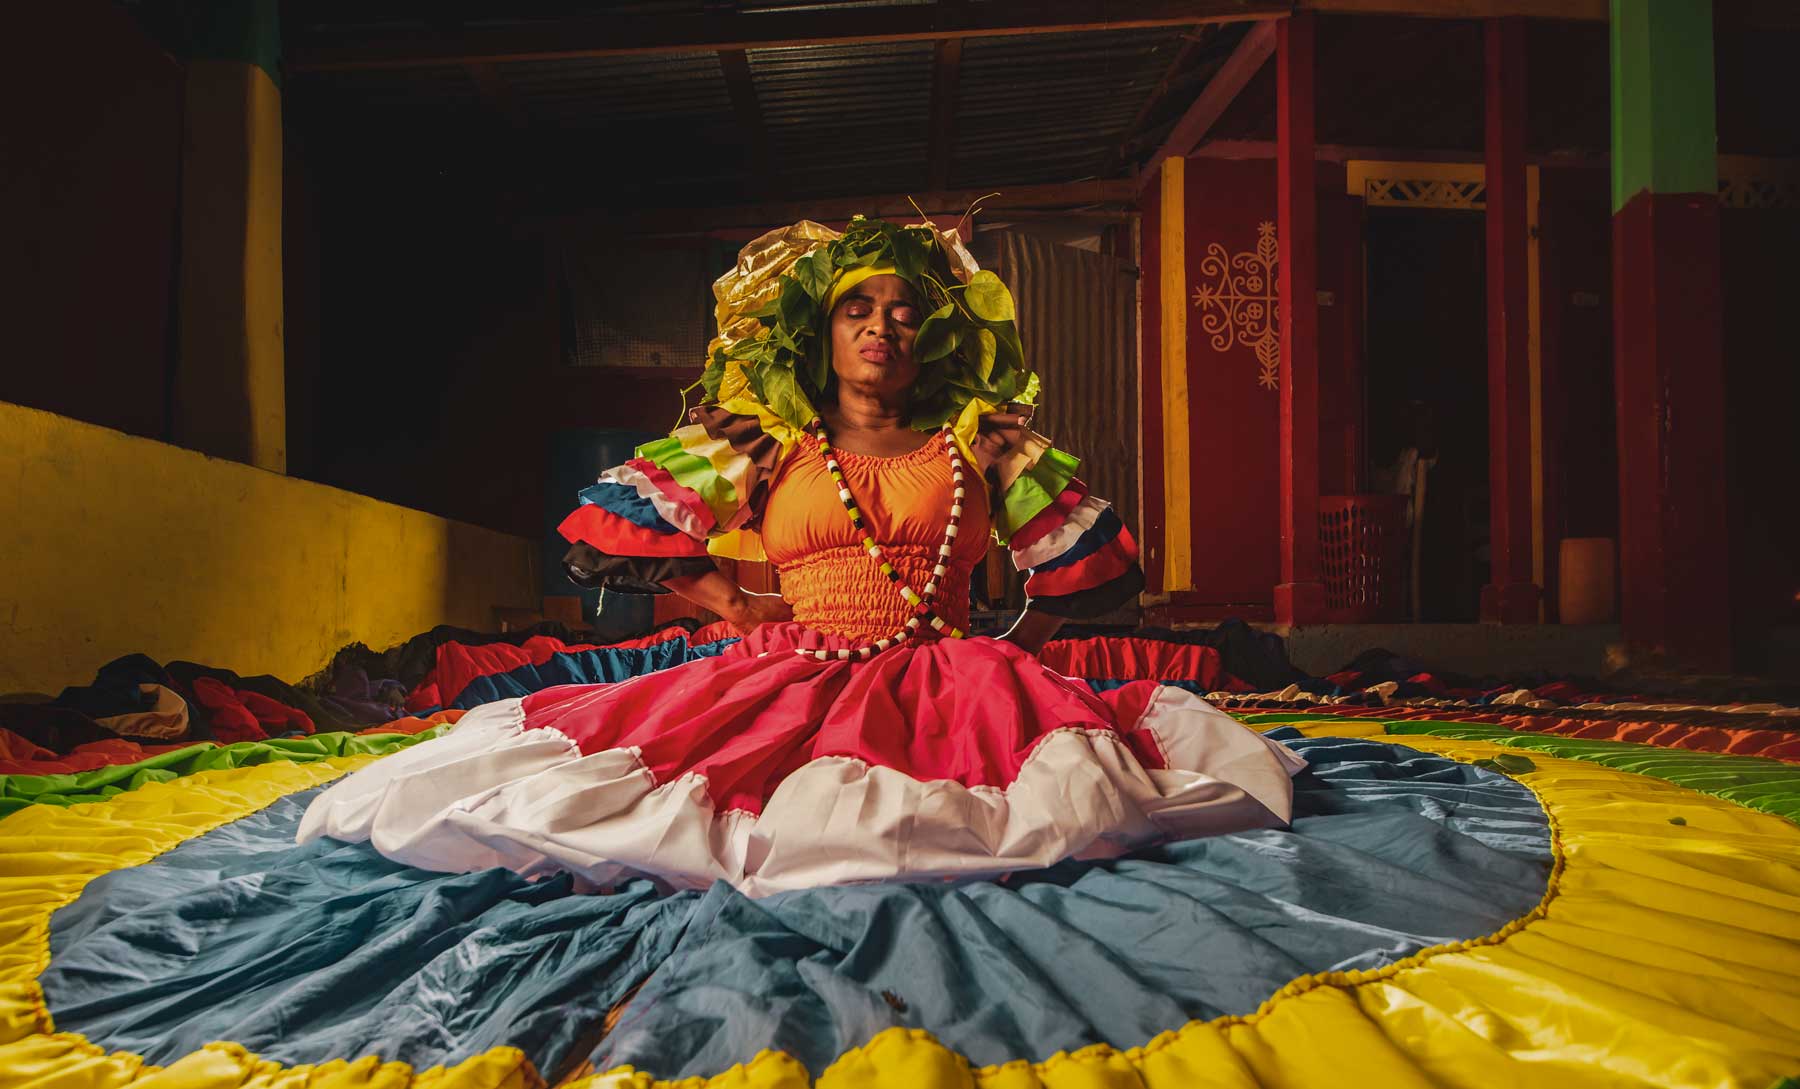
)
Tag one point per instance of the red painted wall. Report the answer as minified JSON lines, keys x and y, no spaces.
{"x":87,"y":209}
{"x":1234,"y":418}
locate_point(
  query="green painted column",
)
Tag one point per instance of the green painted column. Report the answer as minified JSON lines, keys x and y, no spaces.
{"x":230,"y":382}
{"x":1664,"y":127}
{"x":1668,"y":360}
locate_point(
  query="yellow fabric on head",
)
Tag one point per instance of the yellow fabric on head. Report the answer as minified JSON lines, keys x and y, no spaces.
{"x":849,"y":278}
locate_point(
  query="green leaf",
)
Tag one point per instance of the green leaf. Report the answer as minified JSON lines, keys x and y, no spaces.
{"x":767,"y":311}
{"x":1010,"y":353}
{"x":1029,"y":395}
{"x":798,"y":311}
{"x":818,"y":369}
{"x":939,"y":335}
{"x":782,"y":393}
{"x":909,"y":255}
{"x":814,"y":273}
{"x":988,"y":299}
{"x":981,"y":354}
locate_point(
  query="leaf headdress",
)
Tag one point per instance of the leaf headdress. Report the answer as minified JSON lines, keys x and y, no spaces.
{"x":772,"y":310}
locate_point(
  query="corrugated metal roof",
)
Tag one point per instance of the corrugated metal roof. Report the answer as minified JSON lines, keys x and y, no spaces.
{"x":847,"y":118}
{"x":839,"y":119}
{"x":1043,"y":107}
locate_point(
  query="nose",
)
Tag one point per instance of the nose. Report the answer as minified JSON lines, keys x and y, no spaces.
{"x":879,"y":322}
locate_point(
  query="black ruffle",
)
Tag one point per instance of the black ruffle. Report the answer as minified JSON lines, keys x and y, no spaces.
{"x":589,"y":567}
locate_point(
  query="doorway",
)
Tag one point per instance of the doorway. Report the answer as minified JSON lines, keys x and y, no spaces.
{"x":1426,"y":375}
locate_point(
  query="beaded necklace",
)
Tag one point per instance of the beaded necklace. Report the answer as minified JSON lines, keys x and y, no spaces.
{"x":923,"y":611}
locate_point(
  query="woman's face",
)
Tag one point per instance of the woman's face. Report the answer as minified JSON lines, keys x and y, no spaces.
{"x":872,"y":332}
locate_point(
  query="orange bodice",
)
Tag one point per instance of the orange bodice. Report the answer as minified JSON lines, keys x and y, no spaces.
{"x":828,"y":578}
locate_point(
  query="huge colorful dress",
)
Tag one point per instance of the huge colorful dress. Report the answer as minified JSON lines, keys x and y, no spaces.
{"x":938,"y":758}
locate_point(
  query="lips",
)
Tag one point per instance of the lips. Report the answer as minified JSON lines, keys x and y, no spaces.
{"x":876,"y":353}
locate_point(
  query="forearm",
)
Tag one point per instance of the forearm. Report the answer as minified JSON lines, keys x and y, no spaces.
{"x":734,"y":604}
{"x":1033,"y":629}
{"x":713,"y":591}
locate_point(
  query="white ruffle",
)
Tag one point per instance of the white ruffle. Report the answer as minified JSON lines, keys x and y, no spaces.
{"x":491,"y":793}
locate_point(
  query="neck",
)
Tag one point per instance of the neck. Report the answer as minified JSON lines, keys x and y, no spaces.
{"x":863,"y":410}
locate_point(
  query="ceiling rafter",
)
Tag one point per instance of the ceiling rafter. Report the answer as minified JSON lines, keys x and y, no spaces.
{"x":1220,"y":91}
{"x":1191,"y":43}
{"x":1112,"y":192}
{"x":621,"y":35}
{"x":742,"y":88}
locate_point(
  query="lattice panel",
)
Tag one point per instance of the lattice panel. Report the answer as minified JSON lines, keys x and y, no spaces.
{"x":1759,"y":192}
{"x":1426,"y":192}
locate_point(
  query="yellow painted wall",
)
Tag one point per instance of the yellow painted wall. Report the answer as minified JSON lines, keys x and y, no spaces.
{"x":111,"y":544}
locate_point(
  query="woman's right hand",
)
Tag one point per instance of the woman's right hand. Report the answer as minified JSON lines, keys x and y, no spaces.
{"x":753,"y":610}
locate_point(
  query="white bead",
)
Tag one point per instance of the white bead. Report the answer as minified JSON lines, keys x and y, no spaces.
{"x":844,"y":494}
{"x":959,"y":493}
{"x":865,"y":652}
{"x":944,"y":550}
{"x":802,"y":652}
{"x":956,"y":510}
{"x":883,"y":644}
{"x":843,"y":655}
{"x":930,"y":588}
{"x":913,"y":623}
{"x":937,"y":572}
{"x":900,"y":636}
{"x":937,"y":623}
{"x":819,"y":654}
{"x":949,"y":531}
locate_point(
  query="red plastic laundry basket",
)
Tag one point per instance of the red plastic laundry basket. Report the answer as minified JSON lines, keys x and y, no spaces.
{"x":1362,"y":543}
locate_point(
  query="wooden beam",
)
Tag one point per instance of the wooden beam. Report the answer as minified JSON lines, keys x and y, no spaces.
{"x":620,"y":35}
{"x":658,"y":221}
{"x":1340,"y":153}
{"x":1588,"y":11}
{"x":735,"y":63}
{"x":1300,"y":596}
{"x":946,"y":73}
{"x":1510,"y":596}
{"x":1256,"y":48}
{"x":1190,"y":45}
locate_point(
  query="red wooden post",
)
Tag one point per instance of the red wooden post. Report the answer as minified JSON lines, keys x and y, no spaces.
{"x":1510,"y":597}
{"x":1300,"y":597}
{"x":1668,"y":345}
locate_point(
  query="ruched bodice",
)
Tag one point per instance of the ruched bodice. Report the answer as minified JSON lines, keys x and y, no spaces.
{"x":832,"y":584}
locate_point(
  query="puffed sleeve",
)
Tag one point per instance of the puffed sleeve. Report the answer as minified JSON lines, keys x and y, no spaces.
{"x":1080,"y":560}
{"x":649,"y":519}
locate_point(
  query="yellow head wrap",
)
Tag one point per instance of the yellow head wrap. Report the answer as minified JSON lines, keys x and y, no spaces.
{"x":849,"y":278}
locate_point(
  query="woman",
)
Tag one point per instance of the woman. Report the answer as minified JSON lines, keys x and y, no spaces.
{"x":866,"y":412}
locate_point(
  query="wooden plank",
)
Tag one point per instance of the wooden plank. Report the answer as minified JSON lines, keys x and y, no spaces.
{"x":735,"y":63}
{"x":946,"y":73}
{"x":1300,"y":596}
{"x":1178,"y":467}
{"x":620,"y":35}
{"x":1116,"y":192}
{"x":1249,"y":56}
{"x":1589,"y":11}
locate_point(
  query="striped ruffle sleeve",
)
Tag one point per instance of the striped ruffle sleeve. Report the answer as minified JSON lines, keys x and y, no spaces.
{"x":649,"y":519}
{"x":1080,"y":559}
